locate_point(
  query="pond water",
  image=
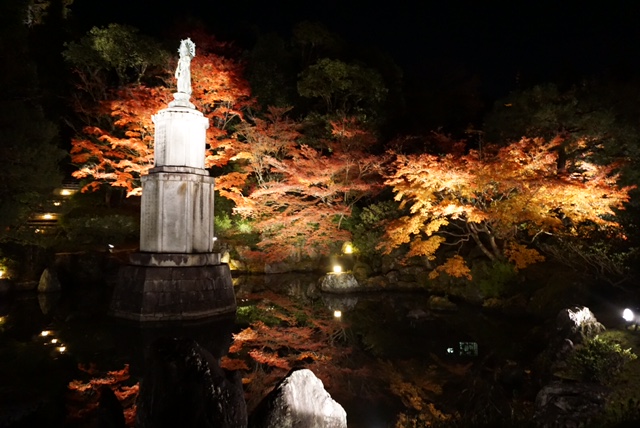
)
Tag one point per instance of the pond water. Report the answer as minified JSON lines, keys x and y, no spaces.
{"x":378,"y":354}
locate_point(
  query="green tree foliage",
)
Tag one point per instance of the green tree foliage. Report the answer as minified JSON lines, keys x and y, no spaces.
{"x":343,"y":87}
{"x":27,"y":138}
{"x":582,"y":113}
{"x":115,"y":48}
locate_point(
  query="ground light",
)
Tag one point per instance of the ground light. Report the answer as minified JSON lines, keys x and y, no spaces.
{"x":337,"y":314}
{"x":630,"y":317}
{"x":337,"y":269}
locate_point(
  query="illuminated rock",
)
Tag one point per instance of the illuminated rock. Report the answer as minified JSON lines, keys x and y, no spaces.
{"x":343,"y":282}
{"x":299,"y":401}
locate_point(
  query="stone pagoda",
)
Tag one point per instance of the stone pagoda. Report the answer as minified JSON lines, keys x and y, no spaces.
{"x":176,"y":276}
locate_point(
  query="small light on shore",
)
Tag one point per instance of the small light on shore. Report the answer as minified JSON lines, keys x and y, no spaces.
{"x":61,"y":349}
{"x":337,"y":314}
{"x":45,"y":333}
{"x":337,"y":269}
{"x":54,"y":341}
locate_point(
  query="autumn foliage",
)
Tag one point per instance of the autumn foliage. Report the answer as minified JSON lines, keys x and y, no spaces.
{"x":296,"y":194}
{"x":116,"y":148}
{"x":503,"y":199}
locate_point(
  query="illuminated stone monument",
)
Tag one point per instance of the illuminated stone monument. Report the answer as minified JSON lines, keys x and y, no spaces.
{"x":176,"y":275}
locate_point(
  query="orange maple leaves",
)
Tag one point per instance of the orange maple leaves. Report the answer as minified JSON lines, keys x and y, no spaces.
{"x":120,"y":150}
{"x":500,"y":198}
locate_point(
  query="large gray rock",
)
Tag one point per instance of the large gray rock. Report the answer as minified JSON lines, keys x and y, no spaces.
{"x":184,"y":387}
{"x":299,"y":401}
{"x":339,"y":283}
{"x":560,"y":405}
{"x":49,"y":282}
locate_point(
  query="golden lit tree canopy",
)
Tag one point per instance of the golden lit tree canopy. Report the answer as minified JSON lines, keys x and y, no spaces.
{"x":502,"y":198}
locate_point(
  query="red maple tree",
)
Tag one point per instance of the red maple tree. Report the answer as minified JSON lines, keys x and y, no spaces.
{"x":298,"y":194}
{"x":120,"y":150}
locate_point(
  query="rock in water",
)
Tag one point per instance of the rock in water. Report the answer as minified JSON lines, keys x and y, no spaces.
{"x":185,"y":387}
{"x":299,"y":401}
{"x":49,"y":282}
{"x":339,"y":283}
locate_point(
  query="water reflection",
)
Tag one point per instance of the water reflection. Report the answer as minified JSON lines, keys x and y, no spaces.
{"x":383,"y":347}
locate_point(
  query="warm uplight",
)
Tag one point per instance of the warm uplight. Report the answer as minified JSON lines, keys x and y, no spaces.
{"x":54,"y":341}
{"x":45,"y":333}
{"x":3,"y":320}
{"x":337,"y":269}
{"x":56,"y":203}
{"x":347,"y":248}
{"x":337,"y":314}
{"x":61,"y":349}
{"x":47,"y":216}
{"x":66,"y":192}
{"x":1,"y":273}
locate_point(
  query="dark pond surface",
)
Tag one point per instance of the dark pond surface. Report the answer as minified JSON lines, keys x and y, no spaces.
{"x":393,"y":339}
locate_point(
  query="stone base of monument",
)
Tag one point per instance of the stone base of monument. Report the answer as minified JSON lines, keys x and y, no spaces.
{"x":173,"y":287}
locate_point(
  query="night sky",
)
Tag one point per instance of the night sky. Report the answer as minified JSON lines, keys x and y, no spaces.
{"x":535,"y":40}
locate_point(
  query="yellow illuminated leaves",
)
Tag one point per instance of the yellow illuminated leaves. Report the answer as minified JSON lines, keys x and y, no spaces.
{"x":426,"y":248}
{"x":455,"y":266}
{"x":506,"y":192}
{"x":521,"y":256}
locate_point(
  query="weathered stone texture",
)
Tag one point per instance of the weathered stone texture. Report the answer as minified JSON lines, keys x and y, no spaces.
{"x":299,"y":401}
{"x":151,"y":293}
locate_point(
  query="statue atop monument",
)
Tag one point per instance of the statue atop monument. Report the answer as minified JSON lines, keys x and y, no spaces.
{"x":187,"y":51}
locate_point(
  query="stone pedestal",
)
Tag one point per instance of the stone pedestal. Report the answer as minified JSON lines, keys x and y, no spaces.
{"x":176,"y":276}
{"x":173,"y":287}
{"x":177,"y":211}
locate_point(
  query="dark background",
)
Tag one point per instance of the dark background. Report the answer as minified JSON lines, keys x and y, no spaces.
{"x":502,"y":43}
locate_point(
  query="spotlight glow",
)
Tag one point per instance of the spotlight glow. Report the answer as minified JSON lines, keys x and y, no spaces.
{"x":45,"y":333}
{"x":337,"y":269}
{"x":628,"y":315}
{"x":337,"y":314}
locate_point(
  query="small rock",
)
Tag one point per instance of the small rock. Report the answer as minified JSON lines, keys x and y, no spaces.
{"x":438,"y":303}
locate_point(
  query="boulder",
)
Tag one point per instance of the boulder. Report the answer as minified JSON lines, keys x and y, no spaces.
{"x":362,"y":271}
{"x":49,"y":282}
{"x":439,"y":303}
{"x":299,"y":401}
{"x":343,"y":282}
{"x":185,"y":387}
{"x":562,"y":405}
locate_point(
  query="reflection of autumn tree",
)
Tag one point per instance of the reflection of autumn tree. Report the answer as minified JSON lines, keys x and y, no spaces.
{"x":502,"y":200}
{"x":299,"y":336}
{"x":116,"y":146}
{"x":83,"y":398}
{"x":300,"y":193}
